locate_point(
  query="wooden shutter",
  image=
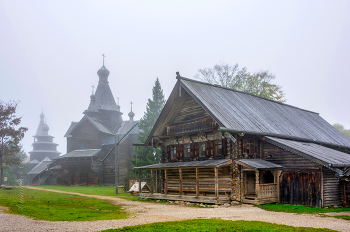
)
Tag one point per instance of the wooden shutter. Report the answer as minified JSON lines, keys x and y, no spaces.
{"x":244,"y":141}
{"x":196,"y":149}
{"x":192,"y":149}
{"x":207,"y":149}
{"x":168,"y":152}
{"x":224,"y":147}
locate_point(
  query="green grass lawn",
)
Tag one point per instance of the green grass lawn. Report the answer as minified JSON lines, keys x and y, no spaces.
{"x":90,"y":190}
{"x":299,"y":208}
{"x":58,"y":206}
{"x":213,"y":225}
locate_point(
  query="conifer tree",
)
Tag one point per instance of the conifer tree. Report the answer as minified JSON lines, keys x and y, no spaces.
{"x":148,"y":155}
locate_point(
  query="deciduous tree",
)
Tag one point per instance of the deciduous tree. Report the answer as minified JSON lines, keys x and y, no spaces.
{"x":230,"y":76}
{"x":10,"y":135}
{"x":341,"y":128}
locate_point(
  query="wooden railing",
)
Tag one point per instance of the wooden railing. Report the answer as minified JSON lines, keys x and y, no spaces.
{"x":267,"y":190}
{"x":192,"y":126}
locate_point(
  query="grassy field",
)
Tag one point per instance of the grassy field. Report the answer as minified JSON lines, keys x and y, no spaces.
{"x":90,"y":190}
{"x":299,"y":209}
{"x":57,"y":206}
{"x":213,"y":225}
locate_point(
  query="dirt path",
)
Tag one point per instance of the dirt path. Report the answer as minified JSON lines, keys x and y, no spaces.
{"x":143,"y":213}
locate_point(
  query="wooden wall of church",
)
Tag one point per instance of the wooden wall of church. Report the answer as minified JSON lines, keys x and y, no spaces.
{"x":86,"y":136}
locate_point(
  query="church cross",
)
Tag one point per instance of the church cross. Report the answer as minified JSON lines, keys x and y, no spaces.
{"x":118,"y":100}
{"x":103,"y":55}
{"x":131,"y":105}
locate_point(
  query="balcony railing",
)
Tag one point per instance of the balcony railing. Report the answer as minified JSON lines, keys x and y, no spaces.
{"x":192,"y":126}
{"x":267,"y":190}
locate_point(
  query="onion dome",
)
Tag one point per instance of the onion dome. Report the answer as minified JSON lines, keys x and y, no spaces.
{"x":131,"y":114}
{"x":103,"y":73}
{"x":46,"y":127}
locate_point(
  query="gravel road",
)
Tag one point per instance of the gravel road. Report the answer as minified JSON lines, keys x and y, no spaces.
{"x":143,"y":213}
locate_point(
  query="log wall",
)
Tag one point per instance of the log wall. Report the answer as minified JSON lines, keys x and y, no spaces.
{"x":206,"y":181}
{"x":332,"y":189}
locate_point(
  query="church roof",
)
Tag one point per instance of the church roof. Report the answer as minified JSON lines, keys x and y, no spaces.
{"x":124,"y":128}
{"x":93,"y":121}
{"x":40,"y":167}
{"x":43,"y":128}
{"x":81,"y":153}
{"x":103,"y":94}
{"x":71,"y":127}
{"x":240,"y":112}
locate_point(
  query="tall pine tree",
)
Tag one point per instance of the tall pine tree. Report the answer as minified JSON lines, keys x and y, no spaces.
{"x":148,"y":155}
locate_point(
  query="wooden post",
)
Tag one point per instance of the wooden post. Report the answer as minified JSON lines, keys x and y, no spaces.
{"x":139,"y":181}
{"x":344,"y":193}
{"x":152,"y":182}
{"x":165,"y":182}
{"x":278,"y":173}
{"x":216,"y":183}
{"x":197,"y":183}
{"x":180,"y":180}
{"x":157,"y":182}
{"x":242,"y":186}
{"x":257,"y":188}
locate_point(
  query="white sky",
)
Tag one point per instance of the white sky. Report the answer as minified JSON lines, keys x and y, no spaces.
{"x":50,"y":52}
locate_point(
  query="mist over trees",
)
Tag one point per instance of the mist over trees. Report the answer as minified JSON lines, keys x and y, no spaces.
{"x":341,"y":128}
{"x":148,"y":155}
{"x":231,"y":76}
{"x":10,"y":136}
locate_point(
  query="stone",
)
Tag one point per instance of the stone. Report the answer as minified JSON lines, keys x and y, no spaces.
{"x":226,"y":205}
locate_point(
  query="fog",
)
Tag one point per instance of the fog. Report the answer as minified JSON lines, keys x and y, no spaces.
{"x":50,"y":52}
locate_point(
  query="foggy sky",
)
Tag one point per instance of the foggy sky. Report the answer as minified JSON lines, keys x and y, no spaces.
{"x":50,"y":52}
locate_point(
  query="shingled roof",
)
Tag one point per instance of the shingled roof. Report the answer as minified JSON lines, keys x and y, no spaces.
{"x":93,"y":121}
{"x":241,"y":112}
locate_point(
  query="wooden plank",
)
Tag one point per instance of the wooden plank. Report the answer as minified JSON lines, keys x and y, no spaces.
{"x":140,"y":181}
{"x":157,"y":181}
{"x":180,"y":182}
{"x":152,"y":182}
{"x":165,"y":182}
{"x":216,"y":182}
{"x":257,"y":187}
{"x":197,"y":183}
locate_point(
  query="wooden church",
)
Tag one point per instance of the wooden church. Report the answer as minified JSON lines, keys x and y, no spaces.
{"x":89,"y":141}
{"x":221,"y":145}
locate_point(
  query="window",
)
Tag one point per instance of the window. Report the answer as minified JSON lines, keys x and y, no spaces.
{"x":250,"y":147}
{"x":209,"y":148}
{"x":201,"y":150}
{"x":173,"y":153}
{"x":187,"y":151}
{"x":218,"y":148}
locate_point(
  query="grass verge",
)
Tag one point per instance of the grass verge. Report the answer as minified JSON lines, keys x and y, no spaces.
{"x":213,"y":225}
{"x":58,"y":206}
{"x":299,"y":209}
{"x":90,"y":190}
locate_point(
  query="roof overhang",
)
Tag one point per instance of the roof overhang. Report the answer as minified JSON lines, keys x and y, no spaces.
{"x":191,"y":164}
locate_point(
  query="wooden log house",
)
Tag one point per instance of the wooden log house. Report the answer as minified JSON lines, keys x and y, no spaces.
{"x":221,"y":145}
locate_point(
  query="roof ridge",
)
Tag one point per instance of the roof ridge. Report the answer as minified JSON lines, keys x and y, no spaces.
{"x":238,"y":91}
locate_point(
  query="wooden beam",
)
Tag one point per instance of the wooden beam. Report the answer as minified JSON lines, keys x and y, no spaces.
{"x":152,"y":182}
{"x":157,"y":181}
{"x":139,"y":181}
{"x":180,"y":181}
{"x":344,"y":193}
{"x":165,"y":182}
{"x":216,"y":182}
{"x":257,"y":188}
{"x":197,"y":183}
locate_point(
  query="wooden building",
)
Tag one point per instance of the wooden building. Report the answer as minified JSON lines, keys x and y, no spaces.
{"x":221,"y":145}
{"x":90,"y":139}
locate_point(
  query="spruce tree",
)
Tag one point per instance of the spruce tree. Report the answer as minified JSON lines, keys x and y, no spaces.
{"x":148,"y":155}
